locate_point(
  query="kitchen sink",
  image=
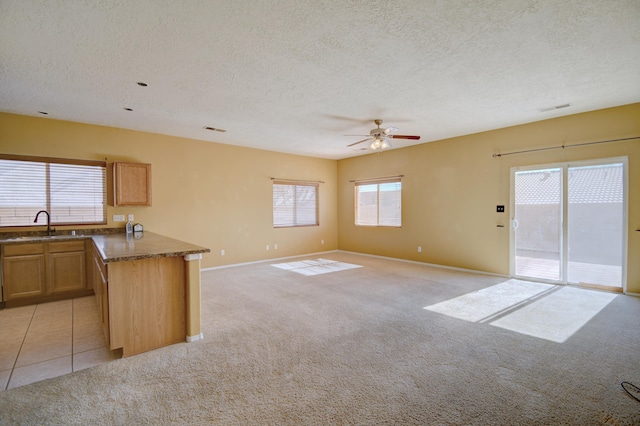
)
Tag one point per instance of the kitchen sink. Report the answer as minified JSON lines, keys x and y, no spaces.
{"x":40,"y":238}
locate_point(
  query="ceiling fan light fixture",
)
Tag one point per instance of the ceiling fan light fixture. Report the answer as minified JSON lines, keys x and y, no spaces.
{"x":380,"y":143}
{"x":380,"y":137}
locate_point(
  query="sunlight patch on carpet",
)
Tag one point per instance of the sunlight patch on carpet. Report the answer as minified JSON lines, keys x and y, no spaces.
{"x":557,"y":316}
{"x":540,"y":310}
{"x":315,"y":267}
{"x":483,"y":304}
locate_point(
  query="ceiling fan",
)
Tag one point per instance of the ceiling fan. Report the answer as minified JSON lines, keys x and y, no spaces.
{"x":380,"y":137}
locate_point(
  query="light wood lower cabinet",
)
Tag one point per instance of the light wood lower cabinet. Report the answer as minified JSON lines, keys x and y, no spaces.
{"x":43,"y":272}
{"x":101,"y":289}
{"x":141,"y":302}
{"x":23,"y":272}
{"x":67,"y":266}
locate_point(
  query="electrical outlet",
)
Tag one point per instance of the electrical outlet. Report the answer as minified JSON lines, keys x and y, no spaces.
{"x":118,"y":218}
{"x":130,"y":218}
{"x":275,"y":247}
{"x":267,"y":247}
{"x":419,"y":249}
{"x":222,"y":252}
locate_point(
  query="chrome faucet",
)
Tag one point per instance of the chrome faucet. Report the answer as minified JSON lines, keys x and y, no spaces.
{"x":48,"y":220}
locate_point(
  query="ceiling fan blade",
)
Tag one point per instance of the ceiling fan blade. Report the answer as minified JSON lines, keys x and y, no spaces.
{"x":390,"y":130}
{"x":356,"y":143}
{"x":415,"y":138}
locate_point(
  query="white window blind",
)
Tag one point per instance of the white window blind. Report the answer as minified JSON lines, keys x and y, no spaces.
{"x":379,"y":202}
{"x":295,"y":204}
{"x":72,"y":191}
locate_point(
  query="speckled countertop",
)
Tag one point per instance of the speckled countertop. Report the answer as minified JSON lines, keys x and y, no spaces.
{"x":118,"y":246}
{"x":141,"y":245}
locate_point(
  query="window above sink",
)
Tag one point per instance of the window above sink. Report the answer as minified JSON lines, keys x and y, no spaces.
{"x":71,"y":191}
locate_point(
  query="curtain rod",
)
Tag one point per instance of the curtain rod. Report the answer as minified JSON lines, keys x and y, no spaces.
{"x":380,"y":178}
{"x":564,"y":146}
{"x":299,"y":181}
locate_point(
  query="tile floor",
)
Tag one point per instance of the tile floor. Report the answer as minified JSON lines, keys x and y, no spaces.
{"x":38,"y":342}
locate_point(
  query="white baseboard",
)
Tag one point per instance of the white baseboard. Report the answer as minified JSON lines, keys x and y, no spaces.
{"x":453,"y":268}
{"x":195,"y":338}
{"x":435,"y":265}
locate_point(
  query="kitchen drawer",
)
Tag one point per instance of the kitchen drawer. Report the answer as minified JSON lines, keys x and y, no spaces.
{"x":65,"y":246}
{"x":102,"y":268}
{"x":23,"y":249}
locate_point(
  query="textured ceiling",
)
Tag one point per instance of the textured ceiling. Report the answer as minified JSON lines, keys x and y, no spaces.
{"x":297,"y":75}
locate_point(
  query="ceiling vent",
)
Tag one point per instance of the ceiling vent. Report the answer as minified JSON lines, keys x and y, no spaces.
{"x":555,"y":107}
{"x":214,"y":129}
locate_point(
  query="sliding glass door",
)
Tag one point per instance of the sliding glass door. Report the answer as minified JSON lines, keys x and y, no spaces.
{"x":537,"y":224}
{"x":596,"y":224}
{"x":569,"y":223}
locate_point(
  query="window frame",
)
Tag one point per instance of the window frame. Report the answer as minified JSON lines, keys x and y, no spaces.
{"x":294,"y":210}
{"x":48,"y":192}
{"x":378,"y":181}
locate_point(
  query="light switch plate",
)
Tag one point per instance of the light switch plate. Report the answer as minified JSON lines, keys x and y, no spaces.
{"x":118,"y":218}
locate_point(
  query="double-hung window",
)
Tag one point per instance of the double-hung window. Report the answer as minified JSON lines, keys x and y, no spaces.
{"x":378,"y":202}
{"x":72,"y":191}
{"x":295,"y":204}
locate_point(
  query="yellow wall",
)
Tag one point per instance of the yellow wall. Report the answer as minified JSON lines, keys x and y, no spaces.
{"x":451,"y":189}
{"x":219,"y":196}
{"x":214,"y":195}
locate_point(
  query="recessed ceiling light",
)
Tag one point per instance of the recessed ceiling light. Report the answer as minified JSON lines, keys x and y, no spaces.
{"x":43,"y":113}
{"x":214,"y":129}
{"x":128,"y":109}
{"x":140,"y":83}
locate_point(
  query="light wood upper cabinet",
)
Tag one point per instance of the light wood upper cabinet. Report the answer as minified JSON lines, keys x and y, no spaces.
{"x":132,"y":184}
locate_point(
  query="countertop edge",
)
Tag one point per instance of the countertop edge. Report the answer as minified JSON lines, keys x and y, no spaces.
{"x":115,"y":258}
{"x":149,"y":256}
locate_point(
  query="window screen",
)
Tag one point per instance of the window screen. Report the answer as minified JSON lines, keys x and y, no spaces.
{"x":72,"y":191}
{"x":379,"y":203}
{"x":295,"y":204}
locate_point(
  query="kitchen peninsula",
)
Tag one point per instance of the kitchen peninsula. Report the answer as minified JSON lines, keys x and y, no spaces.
{"x":147,"y":286}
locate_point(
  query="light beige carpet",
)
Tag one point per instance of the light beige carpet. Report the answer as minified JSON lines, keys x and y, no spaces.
{"x":352,"y":347}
